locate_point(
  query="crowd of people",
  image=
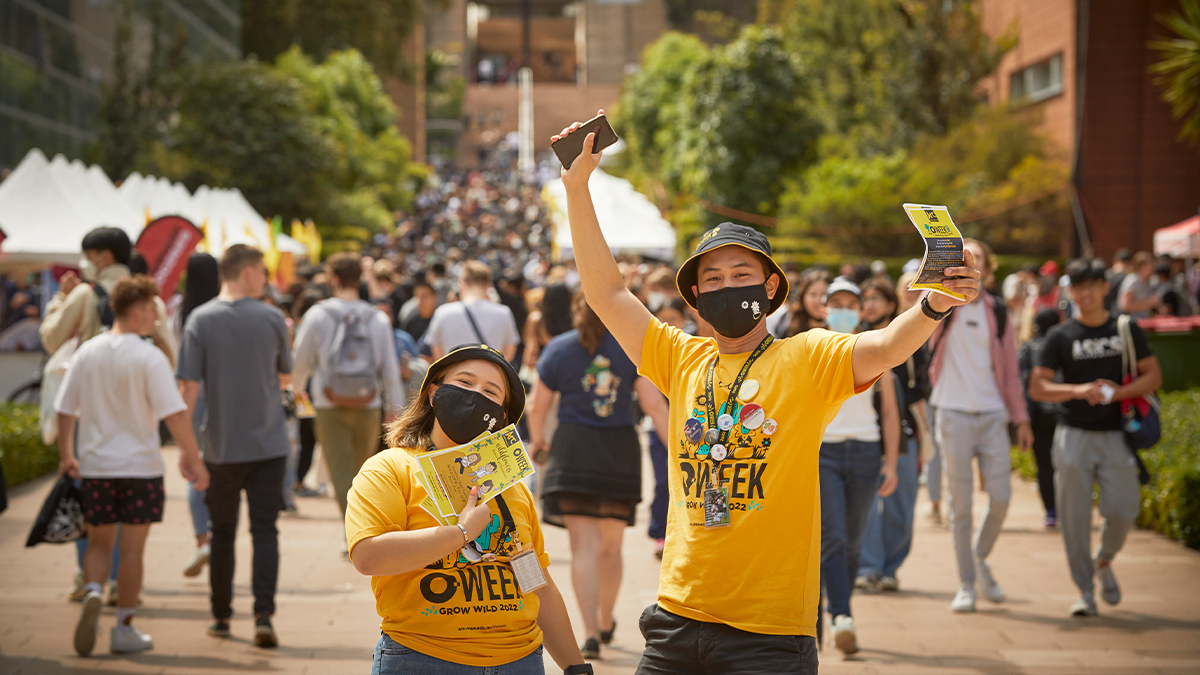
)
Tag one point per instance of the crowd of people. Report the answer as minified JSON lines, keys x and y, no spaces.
{"x":857,"y":388}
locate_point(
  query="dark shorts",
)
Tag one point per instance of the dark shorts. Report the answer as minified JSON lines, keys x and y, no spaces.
{"x":679,"y":646}
{"x":136,"y":501}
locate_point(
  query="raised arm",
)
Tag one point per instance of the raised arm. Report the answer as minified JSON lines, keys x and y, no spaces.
{"x":878,"y":350}
{"x":622,"y":313}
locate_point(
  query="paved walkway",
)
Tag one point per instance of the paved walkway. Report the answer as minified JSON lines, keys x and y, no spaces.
{"x":327,"y":621}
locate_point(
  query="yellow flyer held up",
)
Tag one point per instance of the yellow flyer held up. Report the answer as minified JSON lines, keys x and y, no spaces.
{"x":492,"y":464}
{"x":943,"y":247}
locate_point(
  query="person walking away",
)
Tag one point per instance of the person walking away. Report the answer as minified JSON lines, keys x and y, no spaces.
{"x":743,"y":520}
{"x":425,"y":584}
{"x":201,"y":284}
{"x":593,"y":479}
{"x":1116,"y":275}
{"x":82,"y":309}
{"x":976,"y":394}
{"x":850,"y":466}
{"x":474,"y":316}
{"x":1089,"y":444}
{"x":118,"y":387}
{"x":672,"y":313}
{"x":348,"y":349}
{"x":1136,"y":298}
{"x":888,"y":537}
{"x":1043,"y":417}
{"x":237,"y":347}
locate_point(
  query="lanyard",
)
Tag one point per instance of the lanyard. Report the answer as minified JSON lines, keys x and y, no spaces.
{"x":710,"y":393}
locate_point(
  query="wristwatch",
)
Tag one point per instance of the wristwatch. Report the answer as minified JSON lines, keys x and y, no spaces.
{"x":930,"y":312}
{"x":580,"y":669}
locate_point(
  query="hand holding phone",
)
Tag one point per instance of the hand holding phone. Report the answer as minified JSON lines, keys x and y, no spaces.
{"x":1107,"y":391}
{"x":569,"y":146}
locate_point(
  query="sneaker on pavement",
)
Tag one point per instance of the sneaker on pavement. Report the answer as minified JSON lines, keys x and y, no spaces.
{"x":659,"y":545}
{"x":1084,"y":606}
{"x":934,"y":513}
{"x":89,"y":624}
{"x":987,"y":583}
{"x":889,"y":584}
{"x":198,"y":560}
{"x":1110,"y":592}
{"x":78,"y":591}
{"x":845,"y":638}
{"x":1051,"y":519}
{"x":590,"y":649}
{"x":964,"y":600}
{"x":606,"y":636}
{"x":264,"y":632}
{"x":128,"y":638}
{"x":867,"y":583}
{"x":219,"y":628}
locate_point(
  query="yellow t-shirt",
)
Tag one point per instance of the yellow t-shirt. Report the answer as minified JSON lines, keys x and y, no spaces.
{"x":762,"y":573}
{"x":468,"y":613}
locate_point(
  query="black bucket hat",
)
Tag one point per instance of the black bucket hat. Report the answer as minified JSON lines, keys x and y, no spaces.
{"x":471,"y":352}
{"x":730,"y":234}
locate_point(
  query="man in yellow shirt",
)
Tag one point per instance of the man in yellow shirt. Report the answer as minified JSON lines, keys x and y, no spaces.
{"x":740,"y":583}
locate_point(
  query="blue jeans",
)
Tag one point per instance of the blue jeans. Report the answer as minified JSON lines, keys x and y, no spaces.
{"x":888,"y":538}
{"x":393,"y":658}
{"x":662,"y":497}
{"x":198,"y":509}
{"x":849,"y":477}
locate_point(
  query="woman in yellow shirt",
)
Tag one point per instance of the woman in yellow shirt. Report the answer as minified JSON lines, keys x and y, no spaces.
{"x":442,"y":612}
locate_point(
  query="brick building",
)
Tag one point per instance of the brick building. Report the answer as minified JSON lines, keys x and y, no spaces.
{"x":579,"y":52}
{"x":1081,"y":65}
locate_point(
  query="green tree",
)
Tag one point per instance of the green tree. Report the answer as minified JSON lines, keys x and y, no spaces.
{"x":1179,"y":69}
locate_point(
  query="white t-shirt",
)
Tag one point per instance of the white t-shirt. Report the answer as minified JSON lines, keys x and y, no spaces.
{"x":119,"y":386}
{"x":856,"y":421}
{"x":450,"y":326}
{"x":968,"y":382}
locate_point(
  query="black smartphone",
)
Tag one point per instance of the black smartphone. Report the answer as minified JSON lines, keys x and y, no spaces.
{"x":568,"y":147}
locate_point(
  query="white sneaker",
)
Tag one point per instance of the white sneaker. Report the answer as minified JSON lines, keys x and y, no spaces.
{"x":844,"y":636}
{"x":964,"y":600}
{"x":1084,"y":606}
{"x":866,"y":583}
{"x":1109,"y":590}
{"x":889,"y":584}
{"x":987,"y":583}
{"x":78,"y":590}
{"x":129,"y":639}
{"x":89,"y":624}
{"x":198,"y":560}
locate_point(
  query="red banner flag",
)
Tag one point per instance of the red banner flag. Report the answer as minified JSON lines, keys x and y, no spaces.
{"x":166,"y":244}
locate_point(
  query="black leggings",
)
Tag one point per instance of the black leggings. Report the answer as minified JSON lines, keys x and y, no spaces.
{"x":1043,"y":442}
{"x":308,"y":443}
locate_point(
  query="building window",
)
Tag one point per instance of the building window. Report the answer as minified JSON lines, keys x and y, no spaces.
{"x":1037,"y":82}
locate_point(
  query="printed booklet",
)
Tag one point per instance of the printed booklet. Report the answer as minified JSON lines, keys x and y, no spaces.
{"x":943,"y":247}
{"x":493,"y":464}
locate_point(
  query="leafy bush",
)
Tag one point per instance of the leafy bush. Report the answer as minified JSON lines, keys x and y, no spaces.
{"x":1171,"y":502}
{"x":22,"y":451}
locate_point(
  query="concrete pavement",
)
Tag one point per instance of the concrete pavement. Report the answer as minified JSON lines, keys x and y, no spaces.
{"x":327,"y":623}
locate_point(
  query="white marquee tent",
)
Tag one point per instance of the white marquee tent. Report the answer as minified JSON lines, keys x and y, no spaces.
{"x":629,"y":221}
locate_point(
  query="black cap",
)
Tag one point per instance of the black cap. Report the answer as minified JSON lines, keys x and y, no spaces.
{"x":730,"y":234}
{"x":472,"y":352}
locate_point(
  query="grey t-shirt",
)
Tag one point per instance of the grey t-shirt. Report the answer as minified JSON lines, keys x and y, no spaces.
{"x":450,"y":326}
{"x":1141,"y":292}
{"x":237,"y":350}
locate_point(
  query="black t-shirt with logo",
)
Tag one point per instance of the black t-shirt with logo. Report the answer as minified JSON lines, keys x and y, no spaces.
{"x":1085,"y":354}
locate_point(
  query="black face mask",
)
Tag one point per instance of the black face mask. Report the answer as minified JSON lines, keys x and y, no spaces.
{"x":465,"y":414}
{"x":734,"y":311}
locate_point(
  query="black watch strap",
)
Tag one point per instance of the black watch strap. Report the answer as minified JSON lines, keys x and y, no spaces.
{"x":930,"y":312}
{"x":580,"y":669}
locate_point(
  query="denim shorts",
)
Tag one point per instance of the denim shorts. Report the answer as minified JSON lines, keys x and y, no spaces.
{"x":393,"y":658}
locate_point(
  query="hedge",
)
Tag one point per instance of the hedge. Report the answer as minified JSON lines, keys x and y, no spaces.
{"x":22,"y":451}
{"x":1171,"y":502}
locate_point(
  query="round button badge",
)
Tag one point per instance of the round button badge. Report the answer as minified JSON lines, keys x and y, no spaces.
{"x":718,"y":452}
{"x":753,"y":416}
{"x":749,"y":390}
{"x":693,"y":430}
{"x":712,"y":436}
{"x":769,"y":427}
{"x":725,"y":422}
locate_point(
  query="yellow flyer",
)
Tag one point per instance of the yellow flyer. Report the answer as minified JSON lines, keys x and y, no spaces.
{"x":943,"y":247}
{"x":430,"y":506}
{"x":492,"y":464}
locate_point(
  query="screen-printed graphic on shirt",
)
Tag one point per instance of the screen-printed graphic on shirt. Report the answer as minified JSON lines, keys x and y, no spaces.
{"x":602,"y":384}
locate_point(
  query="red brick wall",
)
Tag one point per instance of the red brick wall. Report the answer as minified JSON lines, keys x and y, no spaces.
{"x":1135,"y":176}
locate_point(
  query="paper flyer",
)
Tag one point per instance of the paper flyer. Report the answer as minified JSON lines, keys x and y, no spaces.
{"x":493,"y":464}
{"x":943,"y":247}
{"x":430,"y":506}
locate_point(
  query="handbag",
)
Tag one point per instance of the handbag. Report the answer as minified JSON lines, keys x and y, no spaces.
{"x":61,"y":517}
{"x":1139,"y":416}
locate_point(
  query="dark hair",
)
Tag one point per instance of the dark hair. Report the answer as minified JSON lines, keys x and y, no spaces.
{"x":346,"y":267}
{"x":111,"y":239}
{"x":306,"y":301}
{"x":556,"y":309}
{"x":201,"y":284}
{"x":800,"y":320}
{"x":1083,"y":270}
{"x":414,"y":428}
{"x":237,"y":258}
{"x":591,"y":328}
{"x":1045,"y":320}
{"x":886,"y":290}
{"x":422,"y":283}
{"x":137,"y":263}
{"x":1122,"y":255}
{"x":132,"y":291}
